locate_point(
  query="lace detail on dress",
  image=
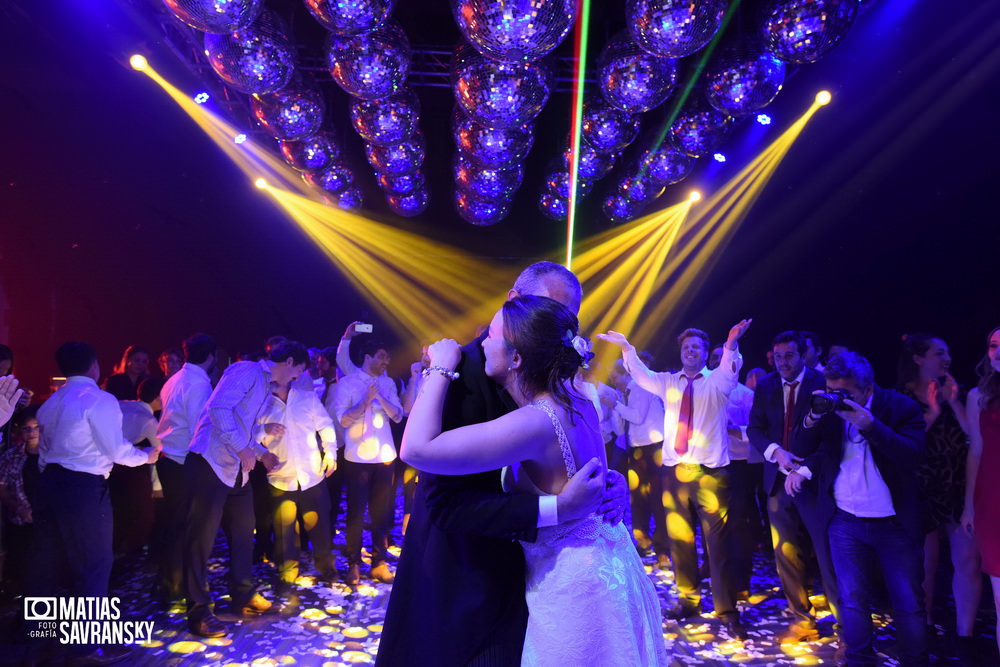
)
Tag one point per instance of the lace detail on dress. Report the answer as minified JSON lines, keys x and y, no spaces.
{"x":567,"y":453}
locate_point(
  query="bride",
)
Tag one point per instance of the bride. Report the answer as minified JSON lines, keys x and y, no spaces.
{"x":589,"y":598}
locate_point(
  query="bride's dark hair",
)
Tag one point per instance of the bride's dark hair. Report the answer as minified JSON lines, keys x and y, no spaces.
{"x":542,"y":331}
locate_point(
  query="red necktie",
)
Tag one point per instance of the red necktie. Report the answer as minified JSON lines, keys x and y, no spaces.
{"x":685,"y":418}
{"x":786,"y":436}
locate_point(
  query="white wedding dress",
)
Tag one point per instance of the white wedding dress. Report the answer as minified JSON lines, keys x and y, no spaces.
{"x":590,"y":601}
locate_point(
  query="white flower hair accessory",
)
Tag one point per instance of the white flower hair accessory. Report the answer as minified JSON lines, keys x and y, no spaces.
{"x":581,"y":345}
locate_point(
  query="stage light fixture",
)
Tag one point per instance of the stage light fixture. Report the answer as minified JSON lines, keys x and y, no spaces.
{"x":763,"y":119}
{"x":239,"y":138}
{"x":138,"y":62}
{"x":694,"y":196}
{"x":260,"y":183}
{"x":719,"y":157}
{"x":201,"y":98}
{"x":823,"y":97}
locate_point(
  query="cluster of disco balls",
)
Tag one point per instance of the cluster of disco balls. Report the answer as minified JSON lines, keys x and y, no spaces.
{"x":501,"y":84}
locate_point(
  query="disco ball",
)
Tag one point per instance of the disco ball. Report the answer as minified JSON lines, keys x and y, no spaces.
{"x":409,"y":205}
{"x":289,"y":114}
{"x":314,"y":153}
{"x":488,"y":184}
{"x":607,"y":129}
{"x":558,"y":184}
{"x":553,"y":207}
{"x":335,"y":179}
{"x":350,"y":17}
{"x":387,"y":121}
{"x":372,"y":65}
{"x":699,"y":128}
{"x":666,"y":165}
{"x":617,"y":209}
{"x":499,"y":94}
{"x":404,"y":184}
{"x":215,"y":16}
{"x":491,"y":148}
{"x":397,"y":159}
{"x":514,"y":30}
{"x":673,"y":28}
{"x":592,"y":166}
{"x":256,"y":59}
{"x":478,"y":211}
{"x":633,"y":80}
{"x":350,"y":199}
{"x":741,"y":82}
{"x":803,"y":31}
{"x":639,"y":190}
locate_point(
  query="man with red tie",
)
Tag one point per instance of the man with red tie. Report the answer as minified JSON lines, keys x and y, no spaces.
{"x":780,"y":402}
{"x":695,"y":464}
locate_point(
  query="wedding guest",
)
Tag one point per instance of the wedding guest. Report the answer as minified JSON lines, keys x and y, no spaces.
{"x":133,"y":368}
{"x":18,"y":481}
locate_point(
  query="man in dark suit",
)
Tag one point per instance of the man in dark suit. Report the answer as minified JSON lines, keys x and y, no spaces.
{"x":458,"y":597}
{"x":868,"y":447}
{"x":781,"y":401}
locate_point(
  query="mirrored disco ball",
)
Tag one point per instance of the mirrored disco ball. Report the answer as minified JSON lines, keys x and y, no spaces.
{"x":396,"y":159}
{"x":666,"y":165}
{"x":404,"y":184}
{"x":387,"y":121}
{"x":215,"y":16}
{"x":553,"y":207}
{"x":491,"y":148}
{"x":803,"y":31}
{"x":617,"y":209}
{"x":314,"y":153}
{"x":490,"y":184}
{"x":607,"y":129}
{"x":633,"y":80}
{"x":409,"y":205}
{"x":741,"y":82}
{"x":699,"y":128}
{"x":256,"y":59}
{"x":514,"y":30}
{"x":639,"y":190}
{"x":350,"y":17}
{"x":371,"y":65}
{"x":557,"y":184}
{"x":350,"y":199}
{"x":289,"y":114}
{"x":335,"y":179}
{"x":499,"y":94}
{"x":480,"y":212}
{"x":593,"y":166}
{"x":673,"y":28}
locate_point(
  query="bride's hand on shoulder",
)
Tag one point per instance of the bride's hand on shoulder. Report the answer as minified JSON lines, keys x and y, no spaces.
{"x":445,"y":353}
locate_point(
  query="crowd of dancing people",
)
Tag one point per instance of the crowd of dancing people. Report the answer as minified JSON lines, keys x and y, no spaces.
{"x":516,"y":458}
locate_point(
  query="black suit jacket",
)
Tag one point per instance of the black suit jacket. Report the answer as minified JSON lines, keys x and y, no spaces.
{"x":460,"y":582}
{"x":896,"y":440}
{"x":767,"y":419}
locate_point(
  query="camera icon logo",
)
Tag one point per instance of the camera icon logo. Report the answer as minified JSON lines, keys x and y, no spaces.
{"x":40,"y":609}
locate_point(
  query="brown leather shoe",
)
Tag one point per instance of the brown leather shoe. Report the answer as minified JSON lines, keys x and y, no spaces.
{"x":258,"y":605}
{"x":799,"y":631}
{"x":353,"y":575}
{"x":208,"y":626}
{"x":381,"y":573}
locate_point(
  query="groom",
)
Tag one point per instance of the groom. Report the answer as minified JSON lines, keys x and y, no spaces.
{"x":458,"y":598}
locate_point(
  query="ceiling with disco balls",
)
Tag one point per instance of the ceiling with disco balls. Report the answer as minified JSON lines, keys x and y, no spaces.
{"x":667,"y":84}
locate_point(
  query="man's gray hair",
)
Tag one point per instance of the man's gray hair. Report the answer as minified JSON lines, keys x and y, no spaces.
{"x":530,"y":280}
{"x":850,"y":366}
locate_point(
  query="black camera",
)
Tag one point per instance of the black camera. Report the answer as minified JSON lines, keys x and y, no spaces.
{"x":830,"y":401}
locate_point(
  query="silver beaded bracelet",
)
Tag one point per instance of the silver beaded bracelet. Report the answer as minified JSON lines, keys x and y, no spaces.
{"x":451,"y":375}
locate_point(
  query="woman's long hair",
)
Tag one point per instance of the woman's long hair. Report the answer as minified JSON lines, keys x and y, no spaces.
{"x":542,"y":331}
{"x":130,"y":352}
{"x":907,"y":371}
{"x":989,"y":378}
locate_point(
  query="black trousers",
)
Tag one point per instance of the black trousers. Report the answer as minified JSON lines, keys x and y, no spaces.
{"x":173,"y":519}
{"x":369,"y":485}
{"x":312,"y":506}
{"x":698,"y":493}
{"x":335,"y":485}
{"x":131,"y":491}
{"x":646,"y":497}
{"x":744,"y":518}
{"x":73,"y":528}
{"x":210,"y":504}
{"x":798,"y":531}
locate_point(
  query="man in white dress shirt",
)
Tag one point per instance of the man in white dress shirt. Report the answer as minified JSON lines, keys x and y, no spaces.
{"x":696,"y":460}
{"x":364,"y":403}
{"x":183,"y":397}
{"x":81,"y":440}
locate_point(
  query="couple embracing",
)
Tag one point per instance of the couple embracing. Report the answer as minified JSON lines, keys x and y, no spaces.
{"x":515,"y":552}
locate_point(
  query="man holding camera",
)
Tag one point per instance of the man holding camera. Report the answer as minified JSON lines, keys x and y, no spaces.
{"x":781,"y":401}
{"x":869,"y":443}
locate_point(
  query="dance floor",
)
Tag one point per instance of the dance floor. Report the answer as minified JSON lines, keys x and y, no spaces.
{"x":339,"y":625}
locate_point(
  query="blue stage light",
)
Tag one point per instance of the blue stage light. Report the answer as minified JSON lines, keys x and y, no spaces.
{"x":763,"y":119}
{"x":719,"y":157}
{"x":240,"y":138}
{"x":201,"y":98}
